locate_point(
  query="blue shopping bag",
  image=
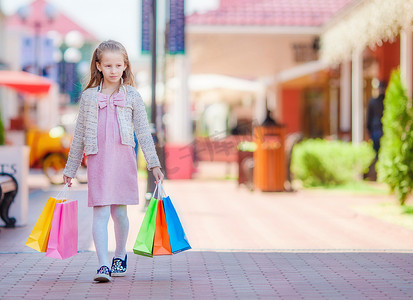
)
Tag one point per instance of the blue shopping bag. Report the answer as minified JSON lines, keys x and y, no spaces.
{"x":177,"y":236}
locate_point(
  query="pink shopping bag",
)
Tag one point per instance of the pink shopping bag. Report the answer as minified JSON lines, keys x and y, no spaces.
{"x":63,"y":237}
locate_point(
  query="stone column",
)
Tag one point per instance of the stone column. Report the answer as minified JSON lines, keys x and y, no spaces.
{"x":180,"y":130}
{"x":179,"y":148}
{"x":357,"y":97}
{"x":345,"y":97}
{"x":406,"y":58}
{"x":48,"y":109}
{"x":261,"y":106}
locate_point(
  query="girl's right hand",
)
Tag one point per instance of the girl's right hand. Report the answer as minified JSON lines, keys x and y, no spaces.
{"x":157,"y":173}
{"x":67,"y":180}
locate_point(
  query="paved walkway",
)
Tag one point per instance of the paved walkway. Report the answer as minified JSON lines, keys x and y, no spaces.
{"x":248,"y":245}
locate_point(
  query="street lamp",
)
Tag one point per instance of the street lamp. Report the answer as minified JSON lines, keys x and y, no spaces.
{"x":71,"y":57}
{"x":68,"y":55}
{"x":24,"y":12}
{"x":150,"y":181}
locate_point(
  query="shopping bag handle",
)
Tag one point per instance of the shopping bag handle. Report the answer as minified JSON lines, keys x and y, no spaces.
{"x":154,"y":192}
{"x":64,"y":193}
{"x":161,"y":189}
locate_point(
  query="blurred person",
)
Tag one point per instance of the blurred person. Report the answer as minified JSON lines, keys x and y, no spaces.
{"x":110,"y":111}
{"x":374,"y":116}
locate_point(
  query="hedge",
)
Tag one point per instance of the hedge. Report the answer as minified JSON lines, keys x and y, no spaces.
{"x":318,"y":162}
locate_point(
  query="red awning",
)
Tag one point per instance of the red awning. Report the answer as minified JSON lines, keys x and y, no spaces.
{"x":25,"y":82}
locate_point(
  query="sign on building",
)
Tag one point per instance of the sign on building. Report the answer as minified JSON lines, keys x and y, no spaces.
{"x":36,"y":57}
{"x":176,"y":27}
{"x":146,"y":26}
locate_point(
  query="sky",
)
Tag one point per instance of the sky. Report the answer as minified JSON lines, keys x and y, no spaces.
{"x":109,"y":19}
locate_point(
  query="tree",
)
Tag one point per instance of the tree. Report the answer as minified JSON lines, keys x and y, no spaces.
{"x":395,"y":164}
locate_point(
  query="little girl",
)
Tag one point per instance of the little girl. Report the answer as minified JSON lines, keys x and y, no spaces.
{"x":110,"y":111}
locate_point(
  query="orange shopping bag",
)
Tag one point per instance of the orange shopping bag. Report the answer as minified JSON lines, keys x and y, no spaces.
{"x":161,"y":243}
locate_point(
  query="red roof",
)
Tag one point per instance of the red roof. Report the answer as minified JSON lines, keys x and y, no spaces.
{"x":61,"y":23}
{"x":270,"y":13}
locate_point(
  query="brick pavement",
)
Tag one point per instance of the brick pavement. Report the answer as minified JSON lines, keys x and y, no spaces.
{"x":214,"y":275}
{"x":305,"y":245}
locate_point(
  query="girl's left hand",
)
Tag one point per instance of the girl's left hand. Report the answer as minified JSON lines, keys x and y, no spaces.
{"x":157,"y":173}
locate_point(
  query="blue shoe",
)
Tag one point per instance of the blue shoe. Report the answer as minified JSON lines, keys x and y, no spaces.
{"x":103,"y":275}
{"x":119,"y":267}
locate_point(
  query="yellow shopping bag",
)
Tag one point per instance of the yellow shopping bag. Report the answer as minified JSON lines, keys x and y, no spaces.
{"x":39,"y":237}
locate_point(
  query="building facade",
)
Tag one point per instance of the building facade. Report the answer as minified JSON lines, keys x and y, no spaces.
{"x":273,"y":46}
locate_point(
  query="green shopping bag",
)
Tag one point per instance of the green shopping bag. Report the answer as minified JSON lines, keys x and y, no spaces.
{"x":144,"y":241}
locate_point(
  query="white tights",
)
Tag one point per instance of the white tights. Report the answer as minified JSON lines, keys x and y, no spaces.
{"x":100,"y":231}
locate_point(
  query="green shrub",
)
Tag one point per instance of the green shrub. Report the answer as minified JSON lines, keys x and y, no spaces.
{"x":326,"y":163}
{"x":395,"y":164}
{"x":2,"y":132}
{"x":247,"y":146}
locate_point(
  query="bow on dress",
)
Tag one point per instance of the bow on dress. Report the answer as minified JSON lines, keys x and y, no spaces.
{"x":118,"y":99}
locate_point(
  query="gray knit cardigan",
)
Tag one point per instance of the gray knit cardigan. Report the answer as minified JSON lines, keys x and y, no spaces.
{"x":132,"y":117}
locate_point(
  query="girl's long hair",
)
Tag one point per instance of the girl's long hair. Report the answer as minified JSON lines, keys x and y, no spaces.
{"x":96,"y":76}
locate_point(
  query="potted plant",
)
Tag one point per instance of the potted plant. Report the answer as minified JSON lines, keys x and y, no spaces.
{"x":246,"y":163}
{"x":2,"y":132}
{"x":395,"y":162}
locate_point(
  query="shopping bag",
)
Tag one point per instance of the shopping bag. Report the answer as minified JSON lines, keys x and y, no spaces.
{"x":161,"y":244}
{"x":39,"y":236}
{"x":63,"y":238}
{"x":144,"y":240}
{"x":177,"y":237}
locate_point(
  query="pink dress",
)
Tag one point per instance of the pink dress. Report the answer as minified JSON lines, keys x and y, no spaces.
{"x":112,"y":172}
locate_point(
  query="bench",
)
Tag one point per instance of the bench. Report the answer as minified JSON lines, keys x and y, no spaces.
{"x":8,"y":190}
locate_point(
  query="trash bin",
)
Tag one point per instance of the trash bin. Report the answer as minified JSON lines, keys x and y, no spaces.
{"x":269,"y":158}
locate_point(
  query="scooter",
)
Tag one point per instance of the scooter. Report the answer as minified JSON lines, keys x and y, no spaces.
{"x":49,"y":151}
